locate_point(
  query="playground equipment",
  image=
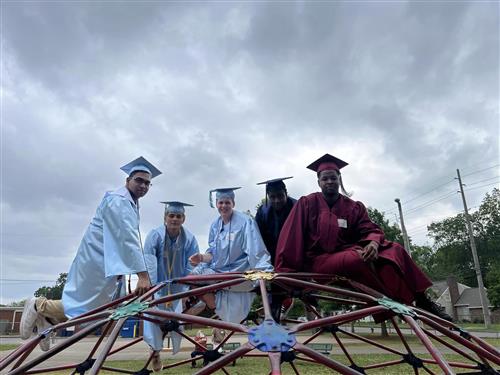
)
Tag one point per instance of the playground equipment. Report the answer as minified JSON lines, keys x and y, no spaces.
{"x":267,"y":336}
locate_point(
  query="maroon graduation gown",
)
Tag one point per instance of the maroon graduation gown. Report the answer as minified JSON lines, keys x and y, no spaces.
{"x":316,"y":238}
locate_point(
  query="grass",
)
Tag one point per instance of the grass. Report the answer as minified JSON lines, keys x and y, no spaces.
{"x":4,"y":347}
{"x":260,"y":366}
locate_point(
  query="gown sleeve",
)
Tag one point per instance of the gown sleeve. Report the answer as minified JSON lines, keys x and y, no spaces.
{"x":258,"y":256}
{"x":122,"y":245}
{"x":151,"y":254}
{"x":290,"y":249}
{"x":366,"y":229}
{"x":191,"y":249}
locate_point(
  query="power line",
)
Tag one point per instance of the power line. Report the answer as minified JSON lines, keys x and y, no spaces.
{"x":481,"y":170}
{"x":431,"y":202}
{"x":486,"y":179}
{"x":477,"y":187}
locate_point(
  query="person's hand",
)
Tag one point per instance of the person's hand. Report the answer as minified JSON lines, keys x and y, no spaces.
{"x":370,"y":251}
{"x":143,"y":285}
{"x":196,"y":259}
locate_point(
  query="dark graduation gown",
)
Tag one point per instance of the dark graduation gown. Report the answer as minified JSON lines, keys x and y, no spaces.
{"x":316,"y":238}
{"x":270,"y":223}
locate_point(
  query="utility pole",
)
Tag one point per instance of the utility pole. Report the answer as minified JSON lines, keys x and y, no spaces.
{"x":403,"y":228}
{"x":482,"y":294}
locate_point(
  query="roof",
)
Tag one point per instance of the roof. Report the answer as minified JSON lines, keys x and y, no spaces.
{"x":439,"y":287}
{"x":470,"y":297}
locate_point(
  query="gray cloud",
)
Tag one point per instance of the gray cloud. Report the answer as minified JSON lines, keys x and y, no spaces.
{"x":222,"y":94}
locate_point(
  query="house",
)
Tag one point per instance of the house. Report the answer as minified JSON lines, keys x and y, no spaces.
{"x":461,"y":301}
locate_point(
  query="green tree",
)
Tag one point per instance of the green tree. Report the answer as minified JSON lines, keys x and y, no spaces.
{"x":391,"y":231}
{"x":493,"y":281}
{"x":452,"y":252}
{"x":53,"y":292}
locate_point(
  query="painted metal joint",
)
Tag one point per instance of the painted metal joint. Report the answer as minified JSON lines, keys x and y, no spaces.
{"x":130,"y":309}
{"x":396,"y":307}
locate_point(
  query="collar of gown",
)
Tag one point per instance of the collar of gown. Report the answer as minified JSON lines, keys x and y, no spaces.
{"x":123,"y":191}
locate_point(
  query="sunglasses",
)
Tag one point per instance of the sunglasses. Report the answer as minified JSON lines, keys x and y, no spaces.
{"x":141,"y":181}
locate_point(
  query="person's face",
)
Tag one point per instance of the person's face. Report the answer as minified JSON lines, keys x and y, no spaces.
{"x":329,"y":182}
{"x":277,"y":199}
{"x":225,"y":207}
{"x":174,"y":221}
{"x":139,"y":184}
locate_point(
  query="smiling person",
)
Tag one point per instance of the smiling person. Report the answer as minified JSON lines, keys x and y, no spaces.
{"x":330,"y":233}
{"x":167,"y":250}
{"x":235,"y":245}
{"x":110,"y":248}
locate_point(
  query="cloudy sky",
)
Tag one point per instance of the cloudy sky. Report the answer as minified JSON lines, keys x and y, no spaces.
{"x":232,"y":93}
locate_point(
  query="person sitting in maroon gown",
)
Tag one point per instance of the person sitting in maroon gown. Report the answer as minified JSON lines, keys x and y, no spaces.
{"x":330,"y":233}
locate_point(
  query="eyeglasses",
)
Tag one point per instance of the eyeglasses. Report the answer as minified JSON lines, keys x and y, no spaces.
{"x":141,"y":181}
{"x":174,"y":216}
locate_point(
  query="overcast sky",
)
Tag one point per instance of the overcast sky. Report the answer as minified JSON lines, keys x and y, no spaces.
{"x":232,"y":93}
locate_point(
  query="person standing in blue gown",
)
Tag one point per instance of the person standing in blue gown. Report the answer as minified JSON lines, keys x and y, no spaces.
{"x":235,"y":245}
{"x":167,"y":250}
{"x":110,"y":248}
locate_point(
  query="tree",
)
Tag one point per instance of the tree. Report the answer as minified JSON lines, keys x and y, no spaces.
{"x":493,"y":281}
{"x":391,"y":231}
{"x":53,"y":292}
{"x":452,"y":253}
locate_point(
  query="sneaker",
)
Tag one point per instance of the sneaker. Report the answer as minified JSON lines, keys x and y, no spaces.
{"x":28,"y":319}
{"x":156,"y":364}
{"x":432,"y":307}
{"x":42,"y":325}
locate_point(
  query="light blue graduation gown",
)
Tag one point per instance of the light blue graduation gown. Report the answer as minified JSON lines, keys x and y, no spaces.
{"x":154,"y":252}
{"x":235,"y":247}
{"x":111,"y":247}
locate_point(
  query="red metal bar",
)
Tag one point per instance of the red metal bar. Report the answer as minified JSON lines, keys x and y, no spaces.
{"x":275,"y":362}
{"x":58,"y":348}
{"x":336,"y":299}
{"x":265,"y":300}
{"x":354,"y":315}
{"x":400,"y":334}
{"x":224,"y":360}
{"x":117,"y":370}
{"x":198,"y":320}
{"x":475,"y":348}
{"x":324,"y":360}
{"x":485,"y":345}
{"x":310,"y":285}
{"x":445,"y":343}
{"x":55,"y":368}
{"x":292,"y":365}
{"x":183,"y":362}
{"x":125,"y":346}
{"x":81,"y":320}
{"x":101,"y":338}
{"x":26,"y":347}
{"x":313,"y":336}
{"x":384,"y":364}
{"x":96,"y":367}
{"x":107,"y":305}
{"x":198,"y":291}
{"x":441,"y":362}
{"x":344,"y":349}
{"x":454,"y":364}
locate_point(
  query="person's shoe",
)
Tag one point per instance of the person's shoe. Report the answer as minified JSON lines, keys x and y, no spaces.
{"x":196,"y":309}
{"x":28,"y":319}
{"x":42,"y":325}
{"x":156,"y":364}
{"x":426,"y":304}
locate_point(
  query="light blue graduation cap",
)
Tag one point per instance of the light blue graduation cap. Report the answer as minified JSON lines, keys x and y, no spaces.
{"x":175,"y":207}
{"x":222,"y":193}
{"x":141,"y":164}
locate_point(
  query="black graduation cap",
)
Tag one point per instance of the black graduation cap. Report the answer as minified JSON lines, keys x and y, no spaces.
{"x":175,"y":206}
{"x":327,"y":162}
{"x":275,"y":183}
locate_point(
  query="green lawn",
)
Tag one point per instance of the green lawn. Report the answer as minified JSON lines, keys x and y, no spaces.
{"x":4,"y":347}
{"x":259,"y":365}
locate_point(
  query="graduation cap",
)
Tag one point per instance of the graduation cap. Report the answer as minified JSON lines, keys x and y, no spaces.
{"x":222,"y":193}
{"x":276,"y":184}
{"x":327,"y":162}
{"x":141,"y":164}
{"x":175,"y":206}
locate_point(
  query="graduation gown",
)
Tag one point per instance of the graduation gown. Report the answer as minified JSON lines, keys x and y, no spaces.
{"x":235,"y":247}
{"x":155,"y":253}
{"x":111,"y":247}
{"x":316,"y":238}
{"x":270,"y":223}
